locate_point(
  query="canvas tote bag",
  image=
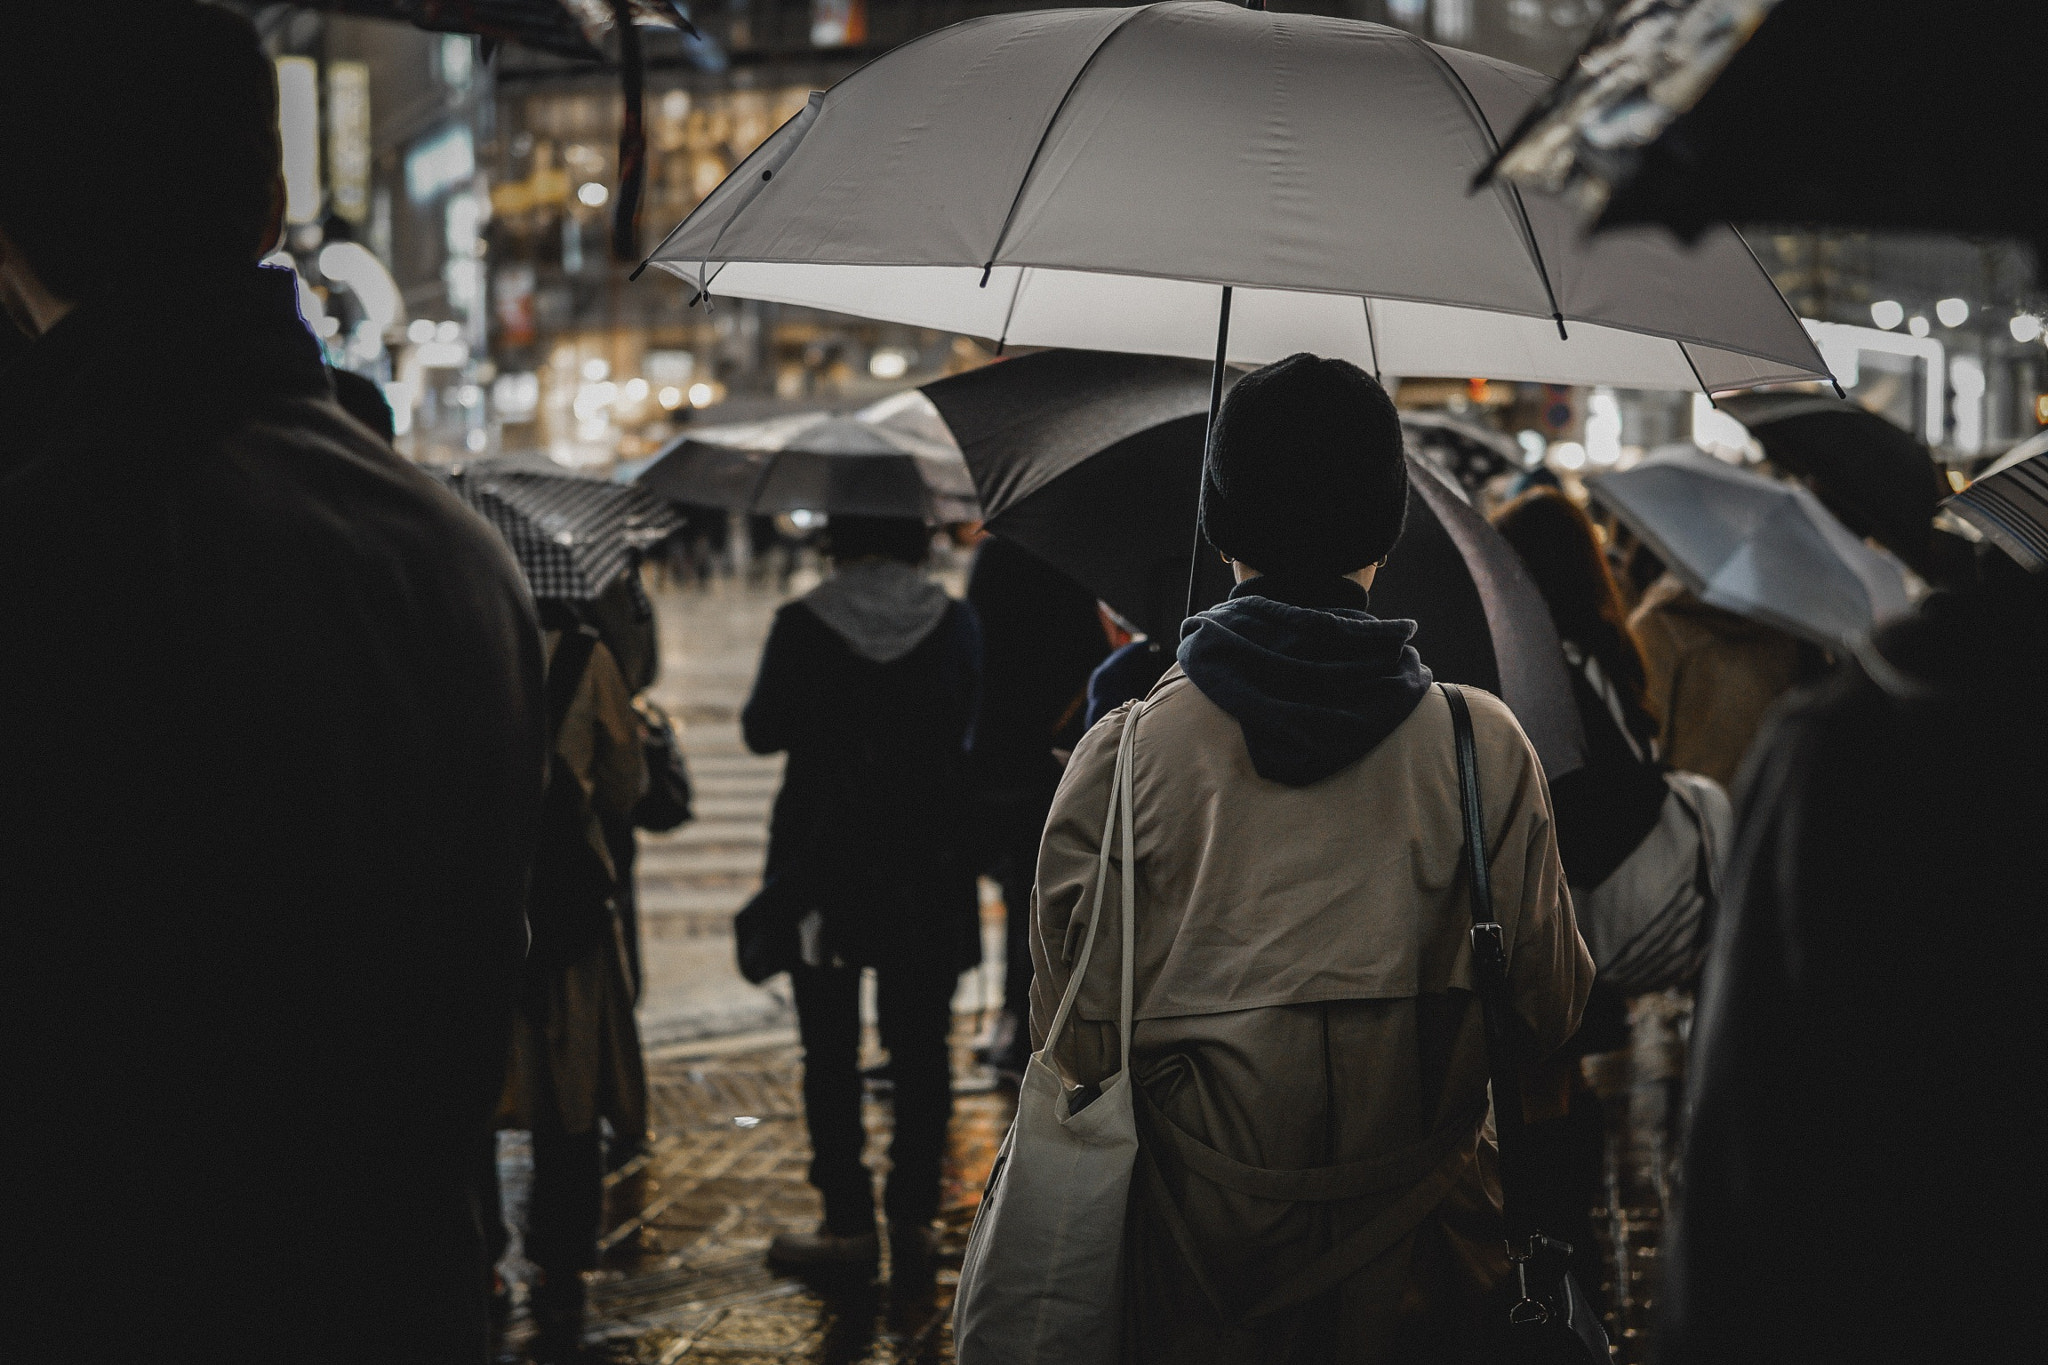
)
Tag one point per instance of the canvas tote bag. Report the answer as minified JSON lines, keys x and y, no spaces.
{"x":1042,"y":1281}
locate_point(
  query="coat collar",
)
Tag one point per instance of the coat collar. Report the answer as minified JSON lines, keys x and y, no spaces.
{"x":184,"y":346}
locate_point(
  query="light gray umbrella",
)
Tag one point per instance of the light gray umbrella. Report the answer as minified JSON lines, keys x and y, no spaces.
{"x":890,"y":460}
{"x":1759,"y":548}
{"x":1091,"y":177}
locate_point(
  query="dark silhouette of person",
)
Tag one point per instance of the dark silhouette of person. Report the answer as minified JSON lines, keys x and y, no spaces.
{"x":271,"y":724}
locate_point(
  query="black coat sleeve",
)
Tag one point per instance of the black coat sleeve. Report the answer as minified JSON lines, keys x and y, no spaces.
{"x":776,"y":714}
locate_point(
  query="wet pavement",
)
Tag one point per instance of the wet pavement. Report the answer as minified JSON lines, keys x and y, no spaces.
{"x":683,"y":1276}
{"x":686,"y":1227}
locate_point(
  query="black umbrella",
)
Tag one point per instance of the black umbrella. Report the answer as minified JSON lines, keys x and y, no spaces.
{"x":1874,"y":476}
{"x":845,"y":466}
{"x":567,"y":28}
{"x":1092,"y":462}
{"x":1856,"y":113}
{"x":2010,"y":507}
{"x":571,"y":536}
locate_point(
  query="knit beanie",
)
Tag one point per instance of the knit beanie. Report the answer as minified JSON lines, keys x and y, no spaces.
{"x":1305,"y":475}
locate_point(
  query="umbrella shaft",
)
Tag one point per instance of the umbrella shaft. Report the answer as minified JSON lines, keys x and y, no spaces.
{"x":1208,"y":435}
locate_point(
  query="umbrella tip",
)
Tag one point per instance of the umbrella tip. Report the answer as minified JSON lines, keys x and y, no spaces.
{"x":985,"y":270}
{"x":1562,"y":335}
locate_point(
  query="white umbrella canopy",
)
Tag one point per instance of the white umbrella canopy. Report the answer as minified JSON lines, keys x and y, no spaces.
{"x":1088,"y":178}
{"x":1757,"y":547}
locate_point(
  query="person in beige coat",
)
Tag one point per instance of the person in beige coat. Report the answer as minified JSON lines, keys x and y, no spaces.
{"x":1713,"y":677}
{"x":1317,"y":1181}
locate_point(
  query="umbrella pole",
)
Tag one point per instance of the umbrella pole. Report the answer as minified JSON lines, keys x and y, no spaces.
{"x":1208,"y":436}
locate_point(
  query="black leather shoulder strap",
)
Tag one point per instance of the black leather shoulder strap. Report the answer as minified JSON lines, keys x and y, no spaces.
{"x":1490,"y":976}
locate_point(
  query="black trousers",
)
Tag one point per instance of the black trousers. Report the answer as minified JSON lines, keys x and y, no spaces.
{"x":562,"y":1212}
{"x":916,"y":1007}
{"x":1016,"y":870}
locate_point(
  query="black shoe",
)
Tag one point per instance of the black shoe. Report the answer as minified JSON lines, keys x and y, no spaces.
{"x":824,"y":1250}
{"x":556,"y":1303}
{"x":913,"y":1252}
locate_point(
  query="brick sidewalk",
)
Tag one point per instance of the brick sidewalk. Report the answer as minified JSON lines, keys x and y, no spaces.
{"x":683,"y":1277}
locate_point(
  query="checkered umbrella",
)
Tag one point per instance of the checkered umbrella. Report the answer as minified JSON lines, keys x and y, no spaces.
{"x":572,"y":536}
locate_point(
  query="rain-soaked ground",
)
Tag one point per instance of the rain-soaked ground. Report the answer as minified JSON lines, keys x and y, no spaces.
{"x":683,"y":1276}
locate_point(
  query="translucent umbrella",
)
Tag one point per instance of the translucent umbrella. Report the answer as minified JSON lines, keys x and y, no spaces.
{"x":883,"y":462}
{"x":1759,"y":548}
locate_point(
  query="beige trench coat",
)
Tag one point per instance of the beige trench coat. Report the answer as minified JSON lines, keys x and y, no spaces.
{"x":575,"y":1045}
{"x":1711,"y":677}
{"x":1309,"y":1055}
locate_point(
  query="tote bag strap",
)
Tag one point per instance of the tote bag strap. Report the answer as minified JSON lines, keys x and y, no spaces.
{"x":1120,"y":804}
{"x":1490,"y":975}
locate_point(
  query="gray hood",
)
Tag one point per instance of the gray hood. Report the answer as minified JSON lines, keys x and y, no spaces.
{"x":882,"y":608}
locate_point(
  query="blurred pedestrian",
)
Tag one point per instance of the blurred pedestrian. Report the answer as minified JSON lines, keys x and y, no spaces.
{"x":1711,"y":676}
{"x":271,"y":725}
{"x":1315,"y":1181}
{"x":1041,"y":638}
{"x":625,"y":621}
{"x":575,"y":1050}
{"x":1605,"y":811}
{"x":1133,"y":667}
{"x":1863,"y":1178}
{"x":869,"y":684}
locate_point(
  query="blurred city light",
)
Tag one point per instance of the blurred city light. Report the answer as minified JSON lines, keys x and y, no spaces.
{"x":1887,"y":313}
{"x":670,"y":397}
{"x":352,"y":264}
{"x":887,"y":364}
{"x":595,"y":369}
{"x":1952,"y":312}
{"x":1966,"y":377}
{"x":1918,"y":325}
{"x":701,"y":395}
{"x":1568,"y":455}
{"x":420,"y":331}
{"x":1603,"y":428}
{"x":298,"y":130}
{"x":593,"y":194}
{"x":2025,"y":327}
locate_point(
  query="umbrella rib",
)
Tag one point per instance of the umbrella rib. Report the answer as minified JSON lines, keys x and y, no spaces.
{"x":1011,"y":312}
{"x":1043,"y":135}
{"x":1696,"y":375}
{"x":1372,"y":339}
{"x":1514,"y":192}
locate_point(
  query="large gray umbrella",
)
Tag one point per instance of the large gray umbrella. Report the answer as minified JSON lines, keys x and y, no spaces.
{"x":1091,"y":177}
{"x":1759,"y":548}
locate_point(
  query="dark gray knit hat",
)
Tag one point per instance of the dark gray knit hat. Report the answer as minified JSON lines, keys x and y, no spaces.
{"x":1306,"y":474}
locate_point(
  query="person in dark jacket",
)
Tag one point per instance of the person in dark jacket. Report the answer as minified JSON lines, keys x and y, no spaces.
{"x":869,"y":684}
{"x":271,"y":724}
{"x":1604,"y":811}
{"x":1863,"y":1178}
{"x":1041,"y":638}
